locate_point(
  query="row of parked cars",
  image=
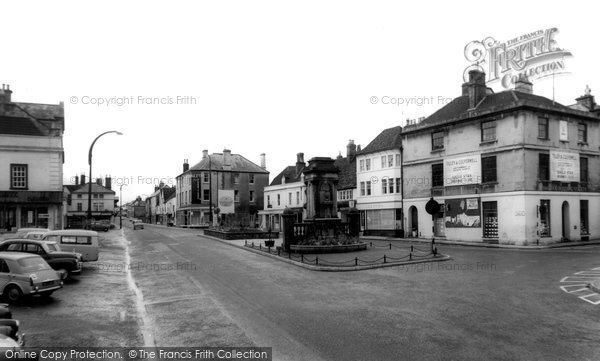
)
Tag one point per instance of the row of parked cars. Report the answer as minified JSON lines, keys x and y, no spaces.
{"x":37,"y":261}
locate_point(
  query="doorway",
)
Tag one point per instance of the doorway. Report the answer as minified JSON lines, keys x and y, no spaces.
{"x":565,"y":221}
{"x":414,"y":221}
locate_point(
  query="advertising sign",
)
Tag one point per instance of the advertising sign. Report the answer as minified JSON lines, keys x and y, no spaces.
{"x":564,"y":167}
{"x":563,"y":130}
{"x":463,"y":213}
{"x":462,"y":170}
{"x":226,"y":201}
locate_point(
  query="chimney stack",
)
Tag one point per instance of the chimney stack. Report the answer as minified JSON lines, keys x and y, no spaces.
{"x":99,"y":181}
{"x":263,"y":161}
{"x":205,"y":154}
{"x":523,"y":85}
{"x":587,"y":100}
{"x":5,"y":94}
{"x":226,"y":159}
{"x":76,"y":180}
{"x":475,"y":88}
{"x":108,"y":182}
{"x":299,"y":163}
{"x":351,"y":150}
{"x":82,"y":179}
{"x":186,"y":165}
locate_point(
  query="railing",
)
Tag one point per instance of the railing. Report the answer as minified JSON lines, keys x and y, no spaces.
{"x":318,"y":231}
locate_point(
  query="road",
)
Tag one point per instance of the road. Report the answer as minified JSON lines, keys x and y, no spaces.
{"x":485,"y":303}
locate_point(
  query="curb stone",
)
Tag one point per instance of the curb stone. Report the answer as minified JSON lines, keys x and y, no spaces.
{"x":331,"y":268}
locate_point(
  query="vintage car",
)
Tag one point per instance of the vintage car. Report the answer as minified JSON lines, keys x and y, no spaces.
{"x":79,"y":241}
{"x":99,"y":226}
{"x":22,"y":232}
{"x":138,"y":224}
{"x":26,"y":274}
{"x":67,"y":263}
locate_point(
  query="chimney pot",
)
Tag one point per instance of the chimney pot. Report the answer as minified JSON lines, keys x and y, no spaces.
{"x":263,"y":161}
{"x":186,"y":165}
{"x":205,"y":154}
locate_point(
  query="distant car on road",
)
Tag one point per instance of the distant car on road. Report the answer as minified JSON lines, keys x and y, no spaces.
{"x":99,"y":226}
{"x":26,"y":274}
{"x":66,"y":263}
{"x":137,"y":224}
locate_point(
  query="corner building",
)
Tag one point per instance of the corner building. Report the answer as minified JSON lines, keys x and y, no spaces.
{"x":509,"y":167}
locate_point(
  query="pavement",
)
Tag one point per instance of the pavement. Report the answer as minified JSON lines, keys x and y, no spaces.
{"x":501,"y":304}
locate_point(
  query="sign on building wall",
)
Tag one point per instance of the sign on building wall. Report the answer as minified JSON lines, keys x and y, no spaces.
{"x":462,"y":170}
{"x":463,"y":213}
{"x":564,"y":166}
{"x":563,"y":130}
{"x":226,"y":201}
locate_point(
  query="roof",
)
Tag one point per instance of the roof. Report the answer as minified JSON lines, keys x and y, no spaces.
{"x":458,"y":108}
{"x":289,"y":174}
{"x":96,"y":188}
{"x":168,"y":193}
{"x":29,"y":118}
{"x":347,"y":176}
{"x":238,"y":164}
{"x":72,"y":187}
{"x":388,"y":139}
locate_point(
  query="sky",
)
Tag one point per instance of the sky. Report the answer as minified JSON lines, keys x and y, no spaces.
{"x":258,"y":77}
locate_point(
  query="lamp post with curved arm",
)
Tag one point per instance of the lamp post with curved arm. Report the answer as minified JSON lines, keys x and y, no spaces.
{"x":89,"y":209}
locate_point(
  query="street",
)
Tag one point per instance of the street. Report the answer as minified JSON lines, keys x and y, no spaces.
{"x":496,"y":303}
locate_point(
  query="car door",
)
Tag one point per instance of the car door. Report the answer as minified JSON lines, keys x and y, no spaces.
{"x":4,"y":275}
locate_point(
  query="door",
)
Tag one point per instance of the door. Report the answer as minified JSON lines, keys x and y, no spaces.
{"x":490,"y":219}
{"x":414,"y":221}
{"x":565,"y":221}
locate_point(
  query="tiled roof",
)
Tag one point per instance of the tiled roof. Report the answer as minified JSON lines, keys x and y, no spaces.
{"x":43,"y":111}
{"x":29,"y":118}
{"x":238,"y":164}
{"x":458,"y":108}
{"x":289,"y":174}
{"x":388,"y":139}
{"x":168,"y":192}
{"x":72,"y":187}
{"x":19,"y":126}
{"x":347,"y":173}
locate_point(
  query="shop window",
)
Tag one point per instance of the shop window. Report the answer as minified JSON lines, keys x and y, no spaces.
{"x":490,"y":219}
{"x":544,"y":214}
{"x":584,"y":217}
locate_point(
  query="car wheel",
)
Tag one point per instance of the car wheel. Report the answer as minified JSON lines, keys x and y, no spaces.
{"x":105,"y":229}
{"x":13,"y":294}
{"x":64,"y":274}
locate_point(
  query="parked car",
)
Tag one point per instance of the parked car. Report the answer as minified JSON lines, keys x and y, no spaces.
{"x":67,"y":263}
{"x":10,"y":336}
{"x":24,"y":274}
{"x":35,"y":235}
{"x":138,"y":224}
{"x":99,"y":226}
{"x":76,"y":240}
{"x":22,"y":232}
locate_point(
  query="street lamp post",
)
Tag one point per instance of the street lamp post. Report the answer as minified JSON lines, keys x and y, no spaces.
{"x":89,"y":209}
{"x":121,"y":205}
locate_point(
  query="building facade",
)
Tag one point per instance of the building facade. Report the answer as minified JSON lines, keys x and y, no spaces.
{"x":509,"y":167}
{"x":346,"y":187}
{"x":287,"y":190}
{"x":32,"y":157}
{"x":103,"y":202}
{"x":379,"y":185}
{"x":233,"y":184}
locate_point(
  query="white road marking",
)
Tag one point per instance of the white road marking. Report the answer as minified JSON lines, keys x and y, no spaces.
{"x":578,"y":284}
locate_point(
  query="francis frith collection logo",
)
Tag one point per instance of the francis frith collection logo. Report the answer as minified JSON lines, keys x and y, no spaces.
{"x":535,"y":55}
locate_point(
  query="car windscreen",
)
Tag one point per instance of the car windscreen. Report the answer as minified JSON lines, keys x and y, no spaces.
{"x":31,"y":264}
{"x":53,"y":247}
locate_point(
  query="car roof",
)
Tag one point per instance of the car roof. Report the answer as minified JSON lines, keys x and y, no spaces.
{"x":73,"y":232}
{"x":28,"y":240}
{"x":16,"y":255}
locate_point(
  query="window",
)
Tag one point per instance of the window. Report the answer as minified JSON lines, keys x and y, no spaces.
{"x":251,"y":178}
{"x":297,"y":197}
{"x":251,"y":196}
{"x":79,"y":207}
{"x":544,"y":166}
{"x":68,"y":239}
{"x":437,"y":140}
{"x":236,"y":195}
{"x":361,"y":165}
{"x":398,"y":160}
{"x":79,"y":196}
{"x":543,"y":128}
{"x":95,"y":195}
{"x":368,"y":188}
{"x":391,"y":185}
{"x":367,"y":164}
{"x":205,"y":177}
{"x":383,"y":161}
{"x":384,"y":186}
{"x":398,"y":183}
{"x":98,"y":206}
{"x":279,"y":199}
{"x":584,"y":217}
{"x":236,"y":178}
{"x":390,"y":161}
{"x":490,"y":219}
{"x":488,"y":131}
{"x":101,"y":195}
{"x":268,"y":200}
{"x":290,"y":198}
{"x":18,"y":176}
{"x":206,"y":194}
{"x":4,"y":267}
{"x":15,"y":247}
{"x":69,"y":199}
{"x":488,"y":169}
{"x":582,"y":133}
{"x":362,"y":189}
{"x":83,"y":240}
{"x":544,"y":210}
{"x":437,"y":175}
{"x":583,"y":170}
